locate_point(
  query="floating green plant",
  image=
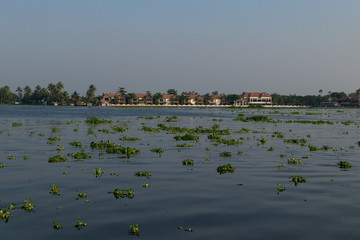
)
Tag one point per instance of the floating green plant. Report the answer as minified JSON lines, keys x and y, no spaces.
{"x":96,"y":120}
{"x":239,"y":152}
{"x":271,"y":148}
{"x":26,"y":157}
{"x":142,"y":174}
{"x":295,"y":141}
{"x":122,"y":150}
{"x":157,"y":150}
{"x":263,"y":140}
{"x":123,"y":193}
{"x":225,"y":154}
{"x":186,"y":137}
{"x":57,"y":159}
{"x":17,"y":124}
{"x":188,"y":162}
{"x":293,"y":161}
{"x":5,"y":215}
{"x":280,"y":189}
{"x":28,"y":206}
{"x":76,"y":144}
{"x":54,"y":138}
{"x":344,"y":164}
{"x":185,"y":145}
{"x":103,"y":144}
{"x":207,"y":149}
{"x":146,"y":185}
{"x":54,"y":190}
{"x":228,"y":168}
{"x":79,"y":224}
{"x":298,"y":179}
{"x":57,"y":226}
{"x":81,"y":195}
{"x":60,"y":149}
{"x":98,"y":172}
{"x":171,"y":119}
{"x":55,"y":130}
{"x":1,"y":165}
{"x":82,"y":155}
{"x":126,"y":138}
{"x":134,"y":229}
{"x":11,"y":156}
{"x":118,"y":129}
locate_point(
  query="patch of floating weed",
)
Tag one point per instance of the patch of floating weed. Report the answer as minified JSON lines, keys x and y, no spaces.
{"x":98,"y":172}
{"x":228,"y":168}
{"x":293,"y":161}
{"x":55,"y":130}
{"x":123,"y":193}
{"x":171,"y":119}
{"x":54,"y":139}
{"x":157,"y":150}
{"x":207,"y":149}
{"x":280,"y":189}
{"x":5,"y":215}
{"x":54,"y":190}
{"x":57,"y":159}
{"x":81,"y":195}
{"x":146,"y":185}
{"x":122,"y":150}
{"x":298,"y":179}
{"x":126,"y":138}
{"x":150,"y":129}
{"x":82,"y":155}
{"x":134,"y":229}
{"x":17,"y":124}
{"x":27,"y":205}
{"x":309,"y":122}
{"x":344,"y":164}
{"x":263,"y":140}
{"x":57,"y":226}
{"x":119,"y":129}
{"x":142,"y":174}
{"x":96,"y":120}
{"x":76,"y":144}
{"x":41,"y":134}
{"x":102,"y":144}
{"x":184,"y":145}
{"x":225,"y":154}
{"x":296,"y":141}
{"x":79,"y":224}
{"x":186,"y":137}
{"x":90,"y":131}
{"x":188,"y":162}
{"x":11,"y":156}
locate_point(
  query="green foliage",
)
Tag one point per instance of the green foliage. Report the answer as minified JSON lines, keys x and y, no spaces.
{"x":157,"y":150}
{"x":123,"y":193}
{"x":79,"y":224}
{"x":188,"y":162}
{"x":344,"y":164}
{"x":82,"y":155}
{"x":98,"y":172}
{"x":184,"y":145}
{"x":296,"y":141}
{"x":225,"y":154}
{"x":76,"y":144}
{"x":55,"y":130}
{"x":5,"y":215}
{"x":142,"y":174}
{"x":298,"y":179}
{"x":225,"y":169}
{"x":293,"y":161}
{"x":57,"y":226}
{"x":102,"y":144}
{"x":57,"y":159}
{"x":54,"y":138}
{"x":28,"y":206}
{"x":17,"y":124}
{"x":134,"y":229}
{"x":96,"y":120}
{"x":186,"y":137}
{"x":119,"y":129}
{"x":54,"y":190}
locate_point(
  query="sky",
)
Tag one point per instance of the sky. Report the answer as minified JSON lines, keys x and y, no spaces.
{"x":229,"y":46}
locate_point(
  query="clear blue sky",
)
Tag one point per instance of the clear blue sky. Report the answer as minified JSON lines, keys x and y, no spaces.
{"x":282,"y":46}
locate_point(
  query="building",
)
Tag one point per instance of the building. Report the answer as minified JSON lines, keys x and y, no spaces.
{"x":142,"y":98}
{"x":193,"y":99}
{"x":252,"y":98}
{"x":168,"y":99}
{"x":112,"y":98}
{"x":217,"y":100}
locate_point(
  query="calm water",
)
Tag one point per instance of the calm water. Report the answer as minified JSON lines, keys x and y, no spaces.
{"x":244,"y":204}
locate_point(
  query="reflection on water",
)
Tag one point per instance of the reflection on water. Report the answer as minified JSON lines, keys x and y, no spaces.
{"x":244,"y":204}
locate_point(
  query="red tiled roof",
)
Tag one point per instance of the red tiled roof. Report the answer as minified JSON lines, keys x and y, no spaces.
{"x":168,"y":96}
{"x":255,"y":94}
{"x":217,"y":96}
{"x":112,"y":95}
{"x":141,"y":95}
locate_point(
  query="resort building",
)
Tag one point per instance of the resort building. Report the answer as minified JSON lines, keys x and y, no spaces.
{"x":168,"y":99}
{"x":250,"y":98}
{"x":112,"y":98}
{"x":142,"y":99}
{"x":217,"y":100}
{"x":191,"y":99}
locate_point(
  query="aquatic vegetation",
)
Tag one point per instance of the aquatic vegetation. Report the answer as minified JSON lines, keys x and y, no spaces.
{"x":358,"y":143}
{"x":344,"y":164}
{"x":123,"y":193}
{"x":228,"y":168}
{"x":26,"y":157}
{"x":313,"y":148}
{"x":55,"y":130}
{"x":96,"y":120}
{"x":11,"y":156}
{"x":271,"y":148}
{"x":76,"y":144}
{"x":188,"y":162}
{"x":57,"y":226}
{"x":150,"y":129}
{"x":142,"y":174}
{"x":293,"y":161}
{"x":309,"y":122}
{"x":260,"y":119}
{"x":239,"y":152}
{"x":126,"y":138}
{"x":171,"y":119}
{"x":98,"y":172}
{"x":54,"y":139}
{"x":1,"y":165}
{"x":134,"y":229}
{"x":295,"y":141}
{"x":207,"y":149}
{"x":186,"y":137}
{"x":5,"y":215}
{"x":90,"y":131}
{"x":184,"y":145}
{"x":82,"y":155}
{"x":60,"y":149}
{"x":104,"y":130}
{"x":102,"y":144}
{"x":225,"y":154}
{"x":54,"y":190}
{"x":157,"y":150}
{"x":17,"y":124}
{"x":57,"y":159}
{"x":28,"y":206}
{"x":146,"y":185}
{"x":263,"y":140}
{"x":280,"y":189}
{"x":122,"y":150}
{"x":119,"y":129}
{"x":79,"y":224}
{"x":298,"y":179}
{"x":81,"y":195}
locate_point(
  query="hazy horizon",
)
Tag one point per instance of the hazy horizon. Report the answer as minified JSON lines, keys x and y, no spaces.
{"x":285,"y":47}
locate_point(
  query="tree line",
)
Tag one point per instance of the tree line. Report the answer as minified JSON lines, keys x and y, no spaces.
{"x":54,"y":93}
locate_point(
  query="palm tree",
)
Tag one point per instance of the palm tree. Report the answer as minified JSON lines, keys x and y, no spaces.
{"x":90,"y":94}
{"x":19,"y":92}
